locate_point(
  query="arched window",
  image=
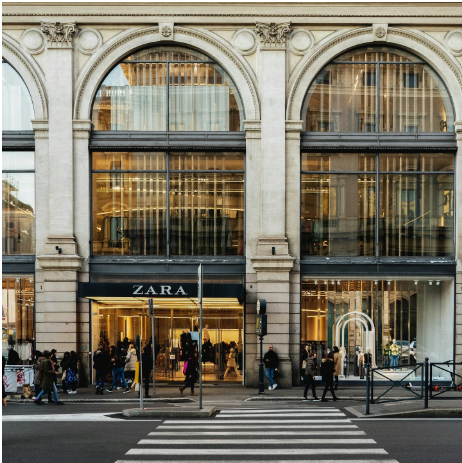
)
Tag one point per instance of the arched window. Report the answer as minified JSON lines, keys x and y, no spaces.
{"x":167,"y":89}
{"x":377,"y":89}
{"x":17,"y":109}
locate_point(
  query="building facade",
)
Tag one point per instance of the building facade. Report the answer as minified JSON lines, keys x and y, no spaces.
{"x":303,"y":154}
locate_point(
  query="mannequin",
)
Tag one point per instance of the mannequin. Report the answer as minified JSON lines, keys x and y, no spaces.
{"x":344,"y":361}
{"x":205,"y":333}
{"x":231,"y":362}
{"x":361,"y":363}
{"x":356,"y":364}
{"x":394,"y":355}
{"x":386,"y":356}
{"x":368,"y":356}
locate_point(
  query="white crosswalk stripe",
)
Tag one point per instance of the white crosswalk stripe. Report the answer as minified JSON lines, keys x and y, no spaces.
{"x":246,"y":436}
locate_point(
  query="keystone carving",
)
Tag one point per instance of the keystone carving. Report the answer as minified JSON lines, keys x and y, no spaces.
{"x":59,"y":34}
{"x":380,"y":32}
{"x":166,"y":31}
{"x":273,"y":35}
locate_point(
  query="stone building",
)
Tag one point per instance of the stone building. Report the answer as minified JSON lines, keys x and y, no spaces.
{"x":303,"y":153}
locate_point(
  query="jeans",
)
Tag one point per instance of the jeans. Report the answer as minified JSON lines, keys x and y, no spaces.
{"x":394,"y":362}
{"x":386,"y":361}
{"x":99,"y":378}
{"x":119,"y":375}
{"x":309,"y":381}
{"x":55,"y":394}
{"x":269,"y":372}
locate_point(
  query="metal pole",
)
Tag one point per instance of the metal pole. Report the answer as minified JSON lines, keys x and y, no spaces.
{"x":153,"y":357}
{"x":261,"y":389}
{"x":368,"y":381}
{"x":426,"y":383}
{"x":200,"y":336}
{"x":140,"y":378}
{"x":372,"y":386}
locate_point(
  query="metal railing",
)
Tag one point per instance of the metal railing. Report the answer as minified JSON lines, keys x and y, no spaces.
{"x":442,"y":389}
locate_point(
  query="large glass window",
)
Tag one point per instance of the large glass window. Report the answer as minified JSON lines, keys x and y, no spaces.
{"x":18,"y":315}
{"x":167,"y":89}
{"x":378,"y":89}
{"x":168,"y":203}
{"x":404,"y":203}
{"x":17,"y":109}
{"x":18,"y":203}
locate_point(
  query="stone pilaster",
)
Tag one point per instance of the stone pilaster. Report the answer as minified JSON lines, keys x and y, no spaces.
{"x":458,"y":237}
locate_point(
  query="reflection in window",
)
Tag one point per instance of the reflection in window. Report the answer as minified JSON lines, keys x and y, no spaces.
{"x":163,"y":89}
{"x":409,"y":97}
{"x":17,"y":109}
{"x":199,"y":212}
{"x":18,"y":203}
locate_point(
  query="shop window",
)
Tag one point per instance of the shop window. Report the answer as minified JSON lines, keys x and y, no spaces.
{"x":18,"y":203}
{"x":168,"y":203}
{"x":408,"y":97}
{"x":414,"y":198}
{"x":167,"y":89}
{"x":18,"y":316}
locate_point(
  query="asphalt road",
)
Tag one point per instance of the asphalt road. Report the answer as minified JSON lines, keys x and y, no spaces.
{"x":274,"y":431}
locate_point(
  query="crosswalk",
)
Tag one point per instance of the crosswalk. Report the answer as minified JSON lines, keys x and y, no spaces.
{"x":312,"y":434}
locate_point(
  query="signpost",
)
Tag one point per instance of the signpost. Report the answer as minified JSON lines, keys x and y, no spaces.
{"x":140,"y":370}
{"x":151,"y":313}
{"x":261,"y":330}
{"x":199,"y":297}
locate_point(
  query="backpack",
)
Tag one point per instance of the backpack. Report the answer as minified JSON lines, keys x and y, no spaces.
{"x":185,"y":368}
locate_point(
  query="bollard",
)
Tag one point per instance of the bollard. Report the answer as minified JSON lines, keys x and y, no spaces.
{"x":368,"y":379}
{"x":427,"y":383}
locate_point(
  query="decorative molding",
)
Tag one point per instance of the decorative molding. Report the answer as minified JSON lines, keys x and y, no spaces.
{"x":245,"y":41}
{"x":301,"y":41}
{"x":321,"y":51}
{"x":59,"y":35}
{"x":89,"y":40}
{"x":380,"y":32}
{"x":33,"y":41}
{"x":40,"y":127}
{"x":10,"y":46}
{"x":273,"y":35}
{"x":453,"y":42}
{"x":166,"y":31}
{"x":294,"y":126}
{"x":458,"y":130}
{"x":252,"y":129}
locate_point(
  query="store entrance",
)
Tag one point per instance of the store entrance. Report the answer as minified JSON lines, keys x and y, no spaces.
{"x":117,"y":322}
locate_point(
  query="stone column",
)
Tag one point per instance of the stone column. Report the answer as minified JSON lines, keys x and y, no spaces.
{"x":458,"y":238}
{"x":56,"y":286}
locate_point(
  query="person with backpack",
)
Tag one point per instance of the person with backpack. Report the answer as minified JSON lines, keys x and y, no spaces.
{"x":71,"y":373}
{"x":118,"y":371}
{"x":190,"y":372}
{"x":101,"y":362}
{"x":64,"y":367}
{"x":327,"y":373}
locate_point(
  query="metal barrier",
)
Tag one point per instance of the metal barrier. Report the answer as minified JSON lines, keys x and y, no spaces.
{"x":443,"y":389}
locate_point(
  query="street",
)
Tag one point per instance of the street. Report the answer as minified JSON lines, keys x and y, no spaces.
{"x":264,"y":431}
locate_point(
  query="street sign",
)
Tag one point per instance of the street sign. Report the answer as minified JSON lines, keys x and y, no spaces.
{"x":261,"y":306}
{"x":260,"y":325}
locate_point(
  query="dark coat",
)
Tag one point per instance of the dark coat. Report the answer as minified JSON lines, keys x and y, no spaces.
{"x":101,"y":360}
{"x":327,"y":370}
{"x":310,"y":368}
{"x":146,"y":360}
{"x":13,"y":357}
{"x":272,"y":358}
{"x":191,"y":370}
{"x":48,"y":375}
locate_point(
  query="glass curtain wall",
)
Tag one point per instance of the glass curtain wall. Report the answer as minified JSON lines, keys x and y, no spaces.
{"x":168,"y":203}
{"x":343,"y":194}
{"x":378,"y":89}
{"x":18,"y":315}
{"x":418,"y":314}
{"x":167,"y":89}
{"x":18,"y":203}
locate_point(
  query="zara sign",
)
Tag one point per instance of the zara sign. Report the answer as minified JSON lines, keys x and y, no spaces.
{"x":159,"y":290}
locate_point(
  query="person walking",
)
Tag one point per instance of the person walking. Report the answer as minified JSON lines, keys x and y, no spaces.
{"x":190,"y":372}
{"x":118,"y":372}
{"x":146,"y":359}
{"x":337,"y":366}
{"x":38,"y":372}
{"x":310,"y":373}
{"x":49,"y":372}
{"x":101,"y":363}
{"x":71,"y":373}
{"x":327,"y":373}
{"x":130,"y":364}
{"x":270,"y":361}
{"x":64,"y":367}
{"x":3,"y":384}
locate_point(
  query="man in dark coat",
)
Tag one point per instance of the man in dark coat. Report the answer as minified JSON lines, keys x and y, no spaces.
{"x":13,"y":356}
{"x":101,"y":363}
{"x":190,"y":374}
{"x":146,"y":361}
{"x":270,"y":360}
{"x":327,"y":373}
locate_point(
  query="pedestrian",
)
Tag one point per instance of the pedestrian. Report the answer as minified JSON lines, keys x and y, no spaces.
{"x":64,"y":367}
{"x":190,"y":372}
{"x":118,"y":371}
{"x":303,"y":359}
{"x":54,"y":361}
{"x":13,"y":356}
{"x":310,"y":373}
{"x":146,"y":361}
{"x":130,"y":364}
{"x":38,"y":372}
{"x":101,"y":363}
{"x":71,"y":374}
{"x":337,"y":366}
{"x":3,"y":384}
{"x":270,"y":361}
{"x":327,"y":373}
{"x":49,"y":372}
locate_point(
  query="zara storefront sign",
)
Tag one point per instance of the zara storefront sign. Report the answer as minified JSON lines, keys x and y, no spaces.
{"x":158,"y":290}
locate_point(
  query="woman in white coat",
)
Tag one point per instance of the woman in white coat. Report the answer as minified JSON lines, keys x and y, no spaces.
{"x":130,"y":364}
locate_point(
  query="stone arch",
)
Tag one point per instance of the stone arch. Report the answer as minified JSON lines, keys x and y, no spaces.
{"x":96,"y":69}
{"x":448,"y":69}
{"x":31,"y":74}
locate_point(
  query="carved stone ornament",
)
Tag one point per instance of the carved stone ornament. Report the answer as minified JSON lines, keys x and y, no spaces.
{"x":59,"y":34}
{"x":166,"y":31}
{"x":273,"y":35}
{"x":380,"y":32}
{"x":453,"y":42}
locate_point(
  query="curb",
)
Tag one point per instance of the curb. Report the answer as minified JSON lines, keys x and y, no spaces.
{"x":176,"y":413}
{"x":426,"y":413}
{"x":108,"y":401}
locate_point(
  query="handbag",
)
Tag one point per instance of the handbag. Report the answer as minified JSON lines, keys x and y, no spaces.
{"x":64,"y":376}
{"x":137,"y":387}
{"x":303,"y":364}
